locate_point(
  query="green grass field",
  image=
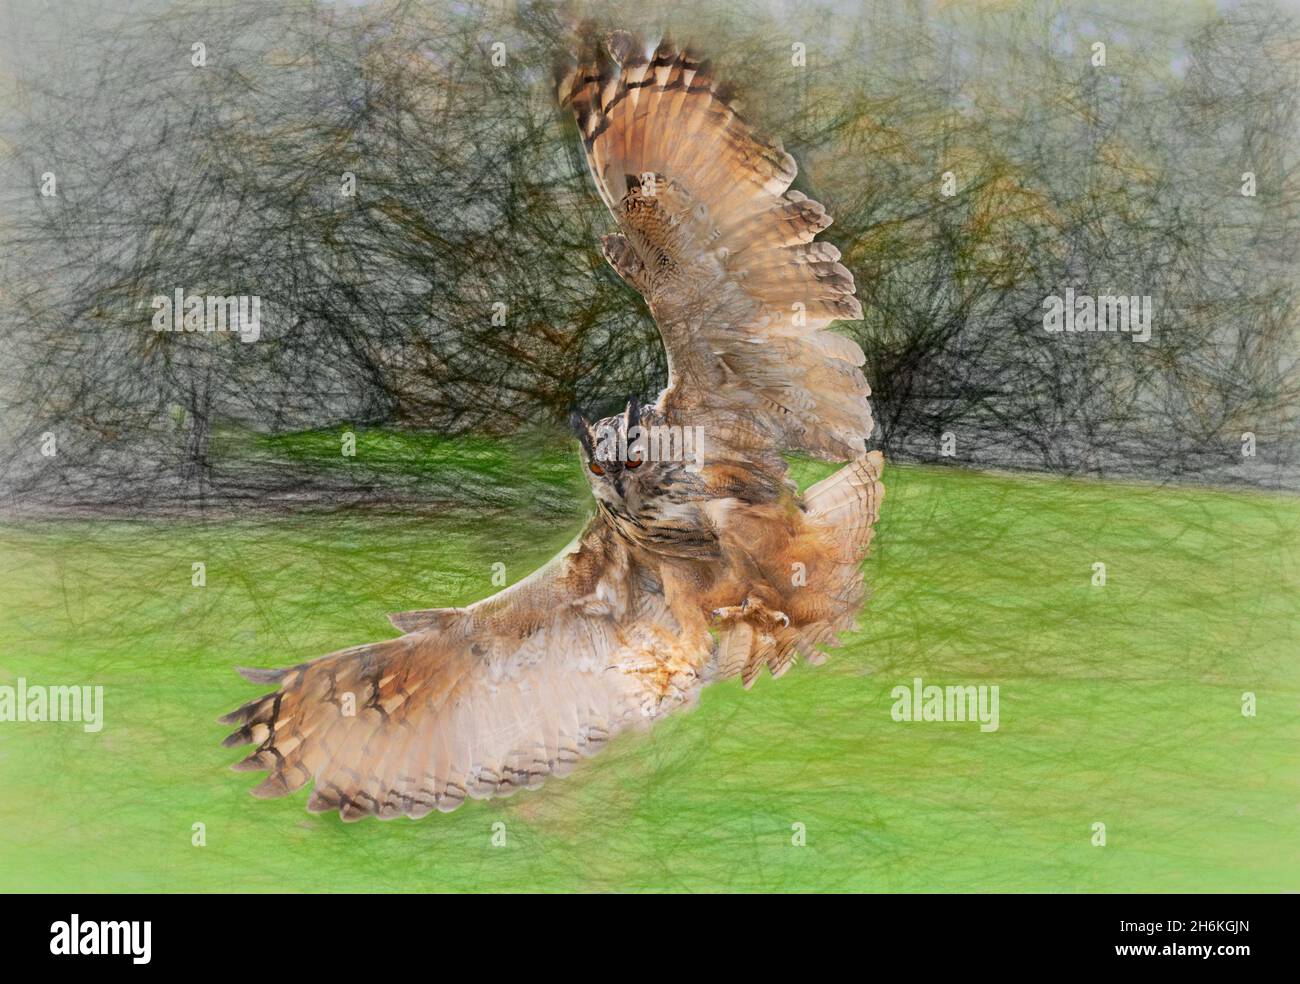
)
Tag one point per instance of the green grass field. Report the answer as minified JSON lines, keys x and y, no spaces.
{"x":1119,"y":704}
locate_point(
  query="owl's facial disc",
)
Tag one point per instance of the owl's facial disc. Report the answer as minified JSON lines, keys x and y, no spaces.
{"x":613,"y":452}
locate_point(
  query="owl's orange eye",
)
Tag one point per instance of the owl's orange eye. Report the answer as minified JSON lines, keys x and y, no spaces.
{"x":632,"y":463}
{"x":596,"y":469}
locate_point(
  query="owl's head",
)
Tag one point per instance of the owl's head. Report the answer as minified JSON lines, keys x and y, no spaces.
{"x":614,"y":454}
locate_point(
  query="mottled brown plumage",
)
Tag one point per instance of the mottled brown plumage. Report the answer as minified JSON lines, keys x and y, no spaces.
{"x":702,"y":562}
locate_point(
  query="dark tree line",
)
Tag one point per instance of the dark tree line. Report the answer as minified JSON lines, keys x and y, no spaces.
{"x":396,"y":184}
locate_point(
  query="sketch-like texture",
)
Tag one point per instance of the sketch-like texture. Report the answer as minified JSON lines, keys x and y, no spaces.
{"x":401,"y":185}
{"x":385,"y":183}
{"x":497,"y":696}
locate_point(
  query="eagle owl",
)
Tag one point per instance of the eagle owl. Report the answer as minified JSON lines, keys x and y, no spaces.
{"x":696,"y":566}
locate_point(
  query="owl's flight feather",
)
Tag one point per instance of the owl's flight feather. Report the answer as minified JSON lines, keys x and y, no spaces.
{"x":497,"y":696}
{"x":723,"y":252}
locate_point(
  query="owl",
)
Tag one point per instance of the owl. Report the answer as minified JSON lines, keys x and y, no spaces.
{"x":702,"y":561}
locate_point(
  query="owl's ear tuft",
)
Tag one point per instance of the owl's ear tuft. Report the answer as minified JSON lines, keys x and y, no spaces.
{"x":633,"y":413}
{"x":582,"y":430}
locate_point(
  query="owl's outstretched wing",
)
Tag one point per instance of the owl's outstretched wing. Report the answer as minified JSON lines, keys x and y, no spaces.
{"x":723,"y":252}
{"x":479,"y":701}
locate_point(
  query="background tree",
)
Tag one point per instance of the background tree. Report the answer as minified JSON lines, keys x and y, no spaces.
{"x":396,"y":184}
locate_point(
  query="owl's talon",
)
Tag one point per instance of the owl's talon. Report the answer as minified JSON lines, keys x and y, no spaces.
{"x":755,"y":612}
